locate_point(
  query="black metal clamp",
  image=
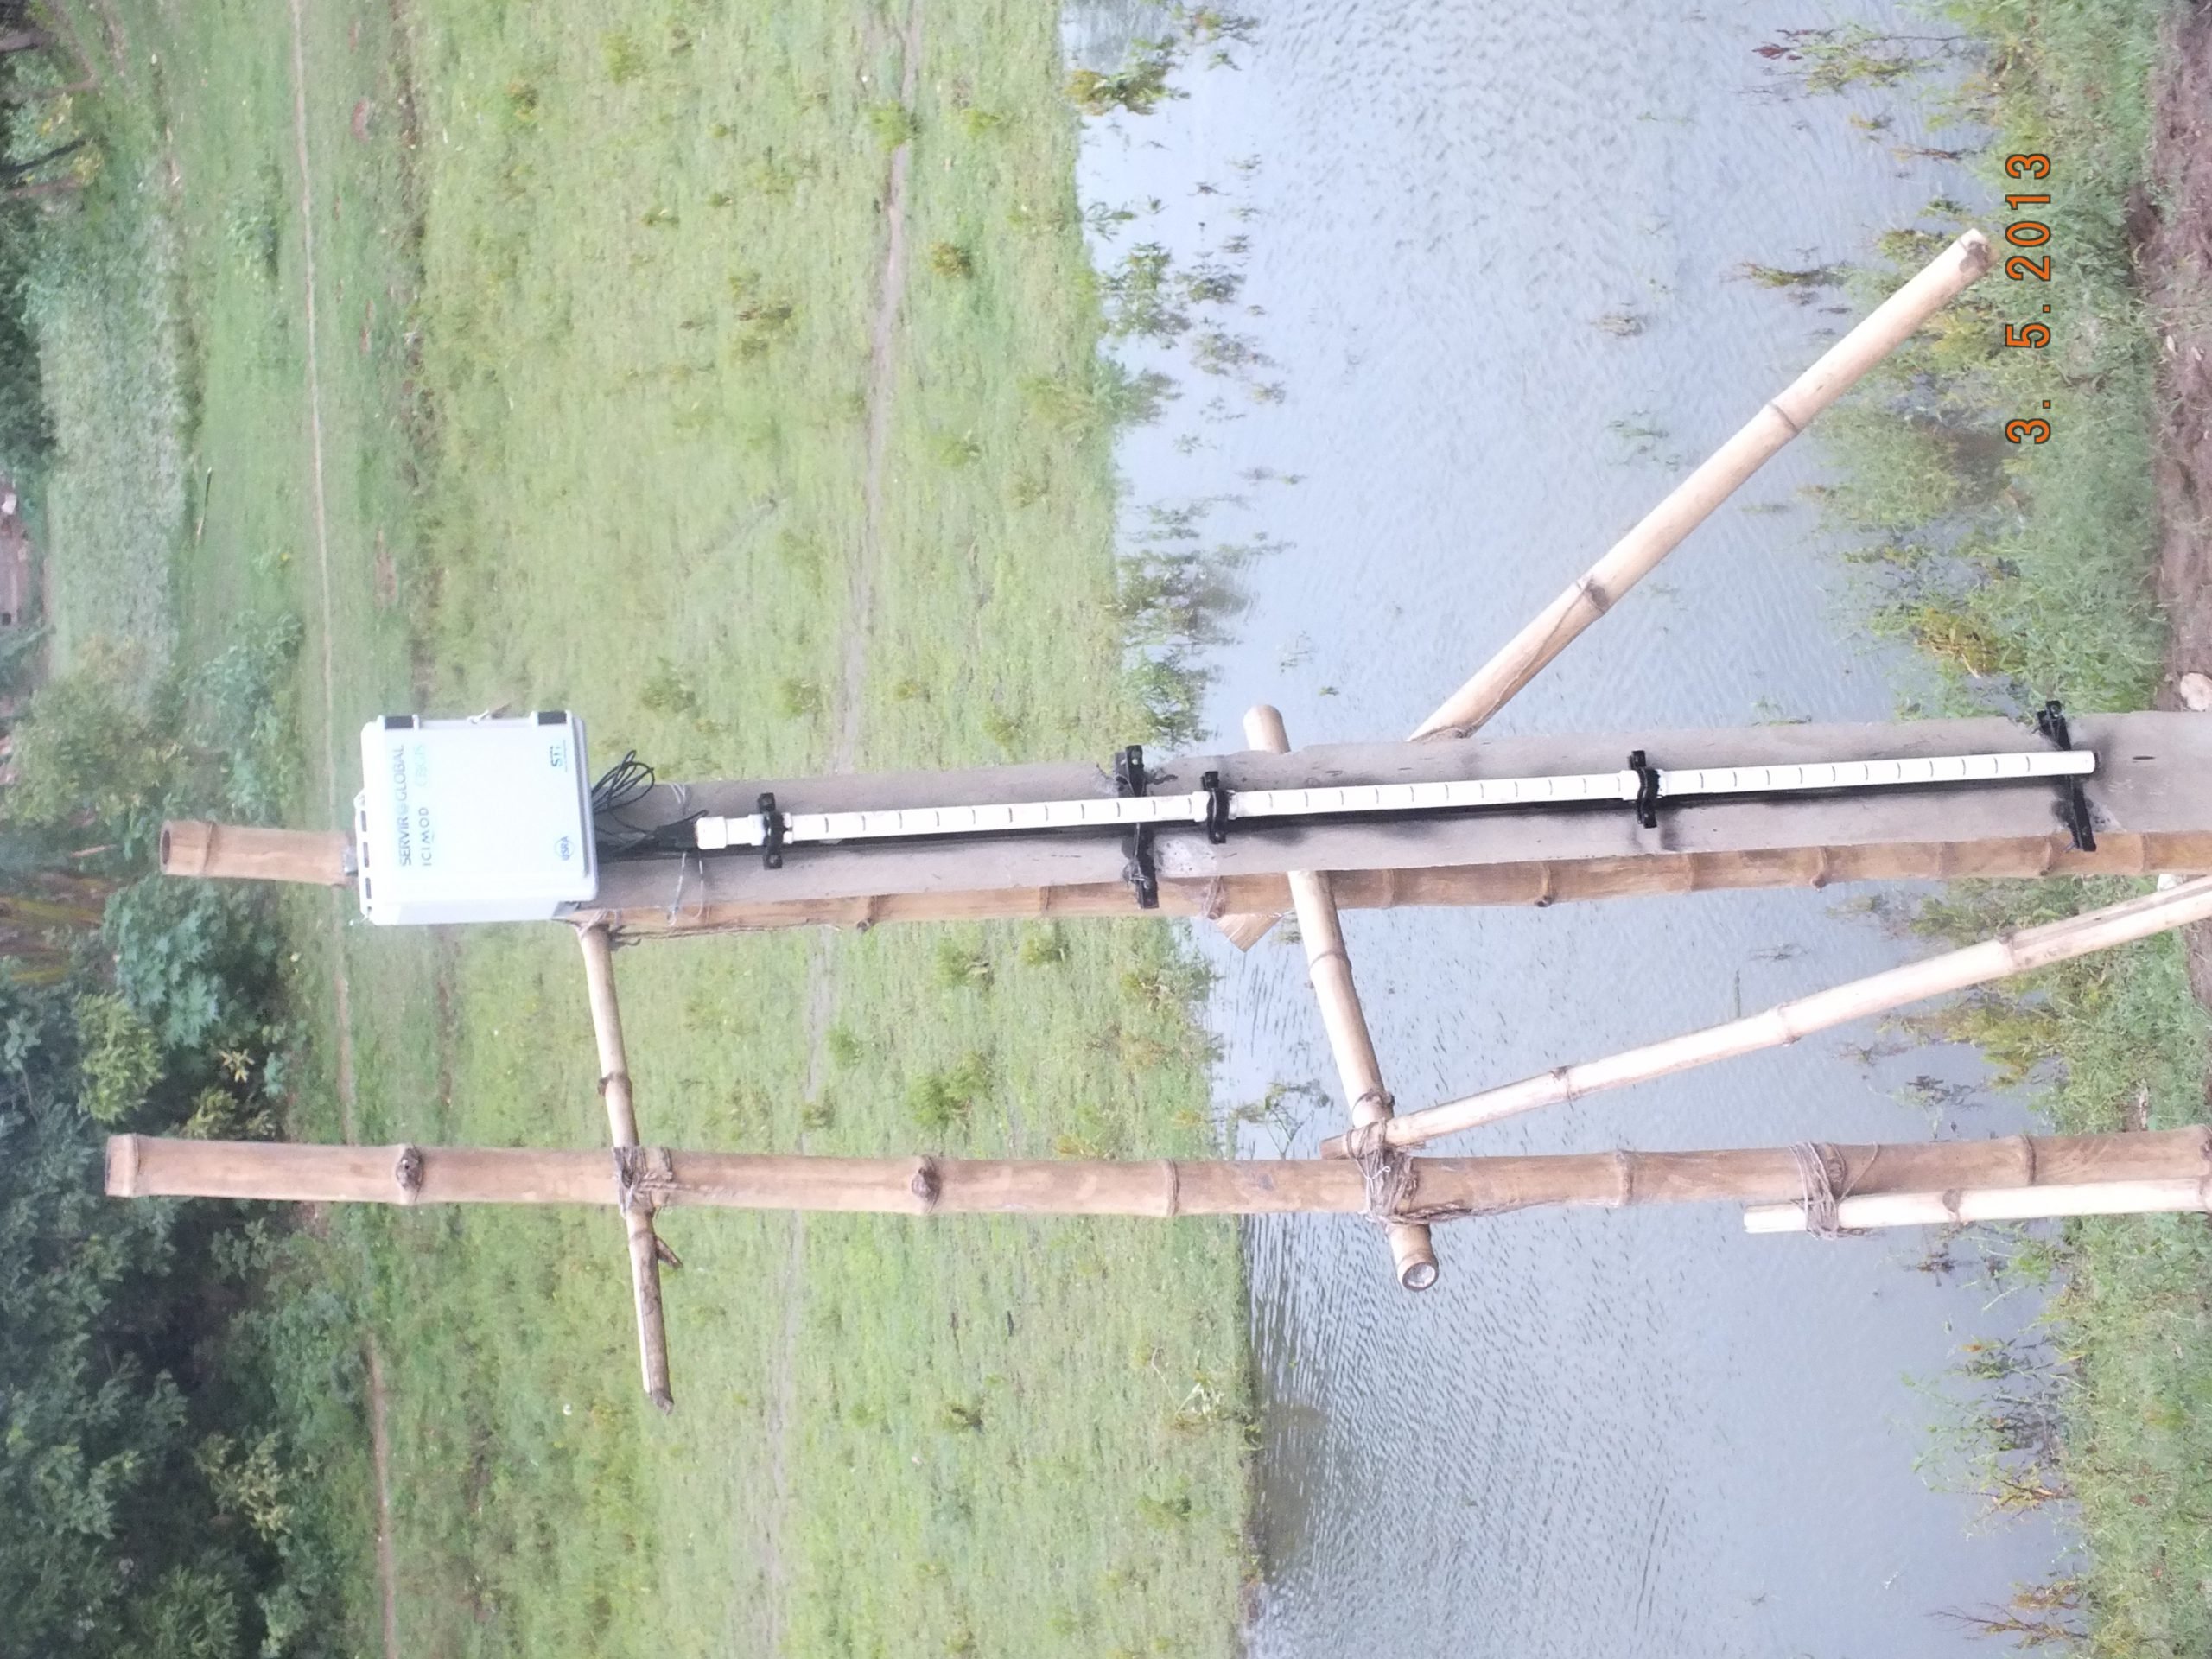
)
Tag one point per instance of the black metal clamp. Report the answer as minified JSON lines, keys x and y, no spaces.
{"x":1130,"y":783}
{"x":1647,"y":790}
{"x":2073,"y":800}
{"x":772,"y":835}
{"x":1217,"y":794}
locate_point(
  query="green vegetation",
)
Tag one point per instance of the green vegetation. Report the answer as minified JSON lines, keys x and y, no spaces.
{"x":603,"y":405}
{"x":2023,"y":572}
{"x":170,"y":1373}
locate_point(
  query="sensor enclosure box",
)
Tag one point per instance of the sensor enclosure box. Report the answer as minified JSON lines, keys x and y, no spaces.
{"x":474,"y":820}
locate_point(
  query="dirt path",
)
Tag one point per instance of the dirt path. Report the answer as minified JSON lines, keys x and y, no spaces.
{"x":380,"y":1456}
{"x":891,"y":289}
{"x":378,"y":1398}
{"x":845,"y":714}
{"x":2175,"y":251}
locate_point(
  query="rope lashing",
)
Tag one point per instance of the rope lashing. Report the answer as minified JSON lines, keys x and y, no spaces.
{"x":1387,"y":1171}
{"x":1820,"y":1169}
{"x":642,"y":1176}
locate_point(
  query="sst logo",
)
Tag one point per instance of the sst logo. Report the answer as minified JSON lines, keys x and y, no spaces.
{"x":557,"y":756}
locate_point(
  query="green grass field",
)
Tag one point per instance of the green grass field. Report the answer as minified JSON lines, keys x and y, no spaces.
{"x":603,"y":405}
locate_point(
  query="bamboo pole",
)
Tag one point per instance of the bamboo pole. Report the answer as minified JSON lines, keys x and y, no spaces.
{"x":1536,"y":883}
{"x":1957,"y":1209}
{"x":622,"y":1127}
{"x":1328,"y":966}
{"x":2013,"y":954}
{"x":1693,"y":500}
{"x":150,"y":1166}
{"x":241,"y":852}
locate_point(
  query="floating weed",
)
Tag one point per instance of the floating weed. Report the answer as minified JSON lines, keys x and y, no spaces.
{"x":1807,"y":281}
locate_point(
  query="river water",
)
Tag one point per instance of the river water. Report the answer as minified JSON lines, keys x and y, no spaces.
{"x":1496,"y":252}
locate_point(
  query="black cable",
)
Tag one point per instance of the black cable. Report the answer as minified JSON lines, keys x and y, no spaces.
{"x":626,"y":783}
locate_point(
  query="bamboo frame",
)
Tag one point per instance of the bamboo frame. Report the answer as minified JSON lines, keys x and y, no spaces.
{"x":646,"y":1247}
{"x":2004,"y":957}
{"x":1328,"y":967}
{"x":149,"y":1167}
{"x":1694,"y":499}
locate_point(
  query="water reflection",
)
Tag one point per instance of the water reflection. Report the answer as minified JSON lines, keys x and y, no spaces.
{"x":1496,"y":252}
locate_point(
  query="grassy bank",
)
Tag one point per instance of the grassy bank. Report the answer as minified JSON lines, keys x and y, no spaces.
{"x":2026,"y":571}
{"x":615,"y":397}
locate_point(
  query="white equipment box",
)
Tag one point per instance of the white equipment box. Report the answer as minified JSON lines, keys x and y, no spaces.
{"x":474,"y":820}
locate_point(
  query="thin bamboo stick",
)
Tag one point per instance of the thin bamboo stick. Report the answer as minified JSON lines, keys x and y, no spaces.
{"x":149,"y":1167}
{"x":2013,"y":954}
{"x":1693,"y":500}
{"x":1328,"y":966}
{"x":622,"y":1128}
{"x":1956,"y":1208}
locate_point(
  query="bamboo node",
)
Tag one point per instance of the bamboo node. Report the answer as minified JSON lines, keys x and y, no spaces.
{"x":2027,"y":1159}
{"x":927,"y":1183}
{"x":1315,"y":962}
{"x":407,"y":1171}
{"x":1545,"y":897}
{"x":1174,"y":1171}
{"x":1624,"y":1163}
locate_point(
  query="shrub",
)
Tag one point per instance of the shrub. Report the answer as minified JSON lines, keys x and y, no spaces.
{"x":941,"y":1100}
{"x":891,"y":125}
{"x":119,"y":1058}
